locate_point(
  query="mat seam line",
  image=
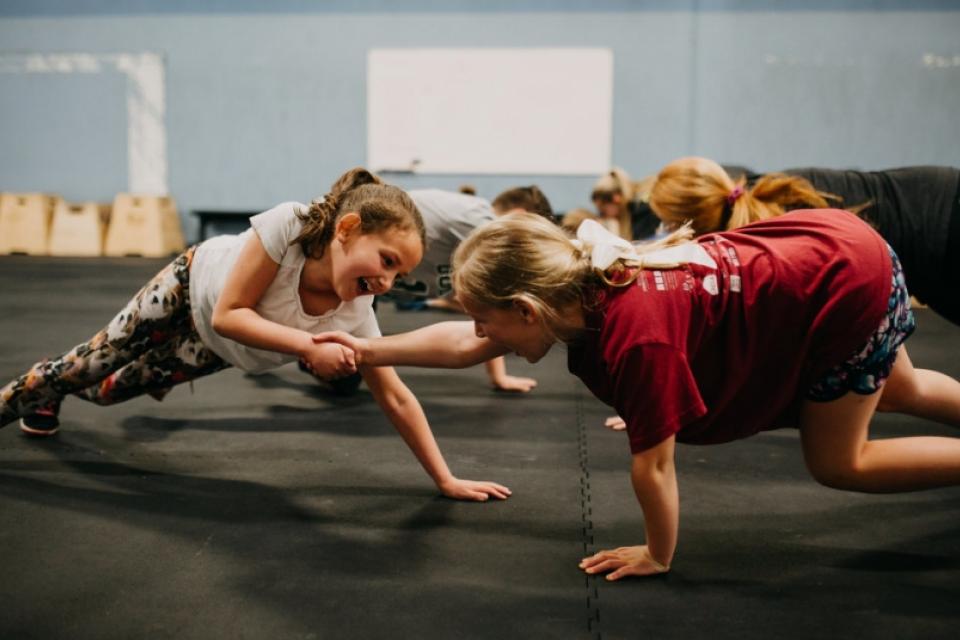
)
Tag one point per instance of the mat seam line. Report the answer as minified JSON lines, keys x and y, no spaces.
{"x":586,"y":517}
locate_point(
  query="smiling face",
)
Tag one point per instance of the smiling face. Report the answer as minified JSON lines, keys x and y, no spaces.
{"x":517,"y":328}
{"x":368,"y":263}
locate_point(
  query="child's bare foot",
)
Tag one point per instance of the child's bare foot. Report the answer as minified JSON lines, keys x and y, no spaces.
{"x":615,"y":423}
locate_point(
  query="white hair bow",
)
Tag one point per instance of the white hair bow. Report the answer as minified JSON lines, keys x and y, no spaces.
{"x":606,"y":248}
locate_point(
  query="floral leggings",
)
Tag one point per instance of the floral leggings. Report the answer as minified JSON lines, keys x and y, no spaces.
{"x":148,"y":347}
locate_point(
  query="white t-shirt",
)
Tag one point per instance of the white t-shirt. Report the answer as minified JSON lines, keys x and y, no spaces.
{"x":280,"y":303}
{"x":449,"y":218}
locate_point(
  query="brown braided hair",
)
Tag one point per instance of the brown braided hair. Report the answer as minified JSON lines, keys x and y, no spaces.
{"x":380,"y":206}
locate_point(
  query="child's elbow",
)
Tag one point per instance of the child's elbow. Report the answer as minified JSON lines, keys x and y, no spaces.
{"x":653,"y":466}
{"x":219,"y":322}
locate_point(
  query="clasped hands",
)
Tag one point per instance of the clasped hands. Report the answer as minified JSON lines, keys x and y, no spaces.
{"x":332,"y":355}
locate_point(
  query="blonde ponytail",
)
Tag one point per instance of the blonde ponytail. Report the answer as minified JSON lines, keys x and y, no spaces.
{"x":521,"y":256}
{"x":773,"y":195}
{"x":643,"y":256}
{"x":699,"y":191}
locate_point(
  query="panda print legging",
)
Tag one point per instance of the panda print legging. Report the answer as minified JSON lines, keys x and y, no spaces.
{"x":149,"y":347}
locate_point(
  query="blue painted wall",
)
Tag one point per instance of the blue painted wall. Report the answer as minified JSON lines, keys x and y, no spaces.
{"x":266,"y":100}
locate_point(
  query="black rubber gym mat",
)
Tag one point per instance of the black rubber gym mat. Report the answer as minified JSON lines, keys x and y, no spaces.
{"x":261,"y":507}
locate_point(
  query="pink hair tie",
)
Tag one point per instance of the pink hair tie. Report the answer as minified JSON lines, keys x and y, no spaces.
{"x":733,"y":195}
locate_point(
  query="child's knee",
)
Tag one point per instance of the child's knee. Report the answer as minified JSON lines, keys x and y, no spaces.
{"x":846,"y":476}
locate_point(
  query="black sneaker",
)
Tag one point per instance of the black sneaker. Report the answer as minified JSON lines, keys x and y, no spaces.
{"x":42,"y":422}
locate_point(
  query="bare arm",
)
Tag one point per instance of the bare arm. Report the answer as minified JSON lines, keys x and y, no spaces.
{"x":654,"y":479}
{"x":404,"y":411}
{"x":234,"y":315}
{"x":445,"y":345}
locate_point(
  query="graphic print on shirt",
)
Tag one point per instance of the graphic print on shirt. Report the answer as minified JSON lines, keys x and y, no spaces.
{"x":729,"y":257}
{"x":444,"y":280}
{"x":710,"y":284}
{"x":666,"y":280}
{"x":726,"y":278}
{"x":412,"y":288}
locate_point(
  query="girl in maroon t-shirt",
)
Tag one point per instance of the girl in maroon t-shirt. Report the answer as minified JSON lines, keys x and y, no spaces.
{"x":915,"y":209}
{"x":795,"y":321}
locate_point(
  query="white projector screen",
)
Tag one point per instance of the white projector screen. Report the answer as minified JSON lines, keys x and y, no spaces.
{"x":502,"y":111}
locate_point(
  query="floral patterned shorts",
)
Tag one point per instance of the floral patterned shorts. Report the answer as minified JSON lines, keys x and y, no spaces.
{"x":871,"y":364}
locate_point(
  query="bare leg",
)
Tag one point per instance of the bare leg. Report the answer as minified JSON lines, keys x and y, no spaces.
{"x":838,"y":453}
{"x":921,"y":392}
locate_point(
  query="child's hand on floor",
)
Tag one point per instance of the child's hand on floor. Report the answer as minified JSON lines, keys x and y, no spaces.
{"x":328,"y":361}
{"x":513,"y":383}
{"x":622,"y":562}
{"x":479,"y":491}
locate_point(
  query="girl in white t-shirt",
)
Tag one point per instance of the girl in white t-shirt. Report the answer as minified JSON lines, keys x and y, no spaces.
{"x":254,"y":301}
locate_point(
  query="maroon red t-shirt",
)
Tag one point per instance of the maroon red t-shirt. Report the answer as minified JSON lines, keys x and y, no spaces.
{"x":714,"y":355}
